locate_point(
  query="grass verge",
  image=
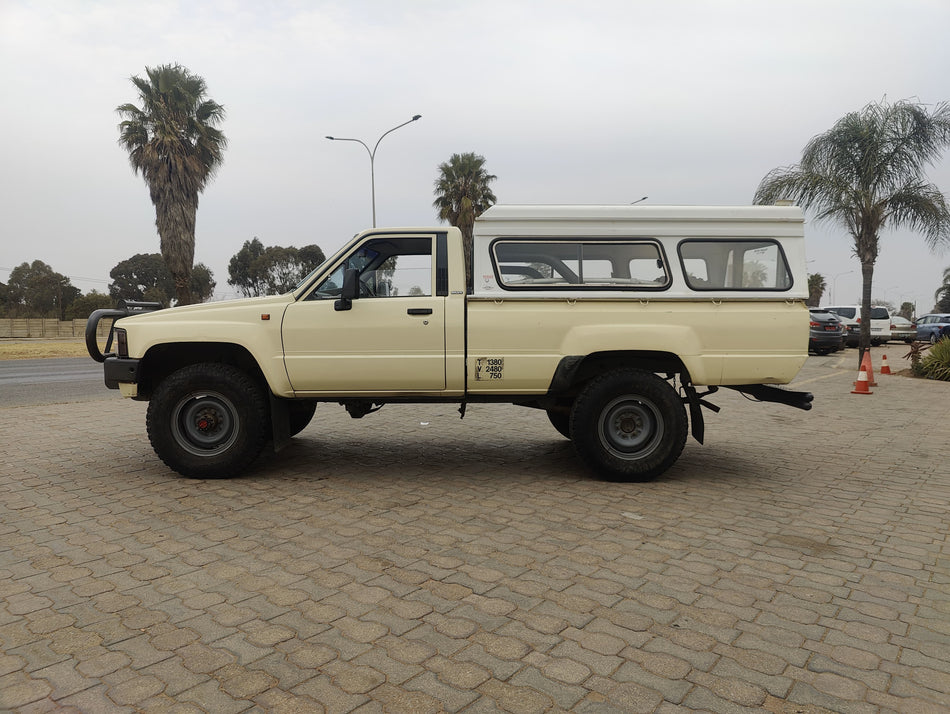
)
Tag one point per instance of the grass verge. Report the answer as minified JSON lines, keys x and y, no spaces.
{"x":41,"y":349}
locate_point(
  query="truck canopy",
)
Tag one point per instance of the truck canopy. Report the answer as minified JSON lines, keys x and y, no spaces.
{"x":640,"y":252}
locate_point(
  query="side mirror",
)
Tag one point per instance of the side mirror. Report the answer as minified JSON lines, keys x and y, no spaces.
{"x":350,"y":291}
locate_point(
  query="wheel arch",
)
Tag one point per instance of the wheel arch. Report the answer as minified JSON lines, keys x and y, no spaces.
{"x":164,"y":359}
{"x":573,"y":372}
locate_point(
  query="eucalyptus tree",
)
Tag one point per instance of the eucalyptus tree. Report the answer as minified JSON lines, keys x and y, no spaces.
{"x":462,"y":194}
{"x":36,"y":290}
{"x":259,"y":270}
{"x":145,"y":276}
{"x":174,"y":143}
{"x":866,"y":173}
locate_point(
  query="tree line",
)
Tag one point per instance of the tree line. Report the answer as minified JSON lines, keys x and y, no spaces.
{"x":36,"y":290}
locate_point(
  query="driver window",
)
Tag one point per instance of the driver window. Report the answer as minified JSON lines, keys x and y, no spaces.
{"x":387,"y":267}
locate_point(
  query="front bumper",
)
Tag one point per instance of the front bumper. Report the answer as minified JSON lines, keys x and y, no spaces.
{"x":118,"y":370}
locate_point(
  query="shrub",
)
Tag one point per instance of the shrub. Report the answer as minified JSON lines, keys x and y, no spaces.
{"x":936,"y":363}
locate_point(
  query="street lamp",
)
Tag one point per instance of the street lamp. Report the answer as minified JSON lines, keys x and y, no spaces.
{"x":834,"y":281}
{"x":372,"y":156}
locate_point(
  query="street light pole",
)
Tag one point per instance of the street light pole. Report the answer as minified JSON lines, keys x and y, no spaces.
{"x":372,"y":157}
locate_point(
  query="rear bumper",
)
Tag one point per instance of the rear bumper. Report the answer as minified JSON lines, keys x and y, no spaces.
{"x":826,"y":341}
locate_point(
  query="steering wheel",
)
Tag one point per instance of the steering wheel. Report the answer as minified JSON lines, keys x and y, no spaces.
{"x":366,"y":288}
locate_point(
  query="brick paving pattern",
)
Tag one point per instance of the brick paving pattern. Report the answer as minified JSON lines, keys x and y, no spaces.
{"x":412,"y":562}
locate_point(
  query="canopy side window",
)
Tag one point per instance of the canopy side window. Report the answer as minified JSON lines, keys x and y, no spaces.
{"x":753,"y":265}
{"x":580,"y":264}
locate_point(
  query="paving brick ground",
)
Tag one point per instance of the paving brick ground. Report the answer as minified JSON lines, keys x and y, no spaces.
{"x":410,"y":562}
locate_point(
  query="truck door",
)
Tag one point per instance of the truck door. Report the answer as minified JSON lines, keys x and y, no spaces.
{"x":391,"y":339}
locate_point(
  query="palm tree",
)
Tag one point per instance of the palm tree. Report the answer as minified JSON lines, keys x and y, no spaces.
{"x":867,"y":173}
{"x":172,"y":141}
{"x":816,"y":288}
{"x":462,"y":195}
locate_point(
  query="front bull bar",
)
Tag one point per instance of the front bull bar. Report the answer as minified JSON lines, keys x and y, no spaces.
{"x":123,"y":309}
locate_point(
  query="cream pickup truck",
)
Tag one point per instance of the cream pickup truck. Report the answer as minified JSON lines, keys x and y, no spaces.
{"x":617,"y":321}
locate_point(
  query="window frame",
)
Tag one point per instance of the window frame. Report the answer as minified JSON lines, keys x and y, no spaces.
{"x":580,"y":241}
{"x":732,"y":241}
{"x":435,"y":240}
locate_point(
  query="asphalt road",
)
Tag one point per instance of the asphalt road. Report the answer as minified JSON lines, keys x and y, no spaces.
{"x":25,"y":382}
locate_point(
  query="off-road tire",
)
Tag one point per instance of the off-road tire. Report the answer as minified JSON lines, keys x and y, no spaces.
{"x":560,"y":421}
{"x":208,"y":420}
{"x":628,"y":425}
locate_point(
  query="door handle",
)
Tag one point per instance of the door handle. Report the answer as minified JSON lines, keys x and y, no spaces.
{"x":419,"y":311}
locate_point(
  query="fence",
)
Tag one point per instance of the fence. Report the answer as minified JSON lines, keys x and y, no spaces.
{"x":49,"y":329}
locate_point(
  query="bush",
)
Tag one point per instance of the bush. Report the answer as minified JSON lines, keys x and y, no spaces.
{"x":936,"y":363}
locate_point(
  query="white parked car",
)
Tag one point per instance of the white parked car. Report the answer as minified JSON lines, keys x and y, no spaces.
{"x":851,"y":317}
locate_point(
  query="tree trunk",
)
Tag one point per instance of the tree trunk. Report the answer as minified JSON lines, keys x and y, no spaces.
{"x":175,"y":219}
{"x":864,"y":340}
{"x":466,"y":223}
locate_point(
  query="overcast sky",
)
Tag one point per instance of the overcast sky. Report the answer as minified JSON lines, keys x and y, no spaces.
{"x":683,"y":101}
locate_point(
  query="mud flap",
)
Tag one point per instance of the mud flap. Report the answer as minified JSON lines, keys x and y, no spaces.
{"x":696,"y":403}
{"x":280,"y":422}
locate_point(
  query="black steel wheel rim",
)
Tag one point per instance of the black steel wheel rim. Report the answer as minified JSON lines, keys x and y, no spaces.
{"x":205,"y":424}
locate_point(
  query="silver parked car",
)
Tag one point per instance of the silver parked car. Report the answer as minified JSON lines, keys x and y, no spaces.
{"x":903,"y":329}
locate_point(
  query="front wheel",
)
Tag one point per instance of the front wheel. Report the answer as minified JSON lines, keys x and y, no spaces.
{"x":629,"y":425}
{"x":208,"y":420}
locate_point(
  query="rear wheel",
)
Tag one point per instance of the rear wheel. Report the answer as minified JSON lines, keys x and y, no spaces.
{"x":629,"y":425}
{"x":208,"y":420}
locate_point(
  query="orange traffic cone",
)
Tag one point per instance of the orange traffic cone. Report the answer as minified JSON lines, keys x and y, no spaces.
{"x":861,"y":386}
{"x":866,"y":367}
{"x":884,"y":368}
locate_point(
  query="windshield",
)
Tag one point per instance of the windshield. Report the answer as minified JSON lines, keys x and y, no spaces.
{"x":308,"y":276}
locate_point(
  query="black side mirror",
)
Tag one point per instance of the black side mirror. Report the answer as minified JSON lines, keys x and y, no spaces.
{"x":350,"y":291}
